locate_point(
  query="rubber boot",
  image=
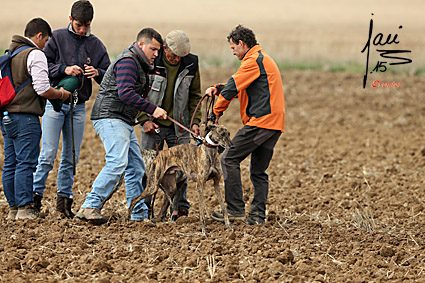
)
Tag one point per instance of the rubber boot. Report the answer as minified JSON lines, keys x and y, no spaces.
{"x":64,"y":205}
{"x":37,"y":202}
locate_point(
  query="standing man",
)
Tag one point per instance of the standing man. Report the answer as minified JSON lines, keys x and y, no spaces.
{"x":258,"y":85}
{"x":121,"y":96}
{"x":175,"y":85}
{"x":22,"y":136}
{"x":72,"y":51}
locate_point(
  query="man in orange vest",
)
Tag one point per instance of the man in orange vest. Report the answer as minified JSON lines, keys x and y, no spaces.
{"x":258,"y":86}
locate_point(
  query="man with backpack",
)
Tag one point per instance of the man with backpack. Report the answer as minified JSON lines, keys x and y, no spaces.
{"x":22,"y":133}
{"x":72,"y":51}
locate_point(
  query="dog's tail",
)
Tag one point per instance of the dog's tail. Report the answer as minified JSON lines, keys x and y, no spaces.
{"x":151,"y":187}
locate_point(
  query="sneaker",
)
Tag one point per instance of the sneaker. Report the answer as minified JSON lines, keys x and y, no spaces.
{"x":255,"y":220}
{"x":26,"y":212}
{"x":92,"y":215}
{"x":220,"y":217}
{"x":37,"y":201}
{"x":12,"y":212}
{"x":181,"y":212}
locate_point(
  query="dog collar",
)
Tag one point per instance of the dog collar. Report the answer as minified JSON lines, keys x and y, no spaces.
{"x":209,"y":143}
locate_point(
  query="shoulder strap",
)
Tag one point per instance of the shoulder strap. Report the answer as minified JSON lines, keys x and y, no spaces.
{"x":16,"y":52}
{"x":23,"y":85}
{"x":22,"y":48}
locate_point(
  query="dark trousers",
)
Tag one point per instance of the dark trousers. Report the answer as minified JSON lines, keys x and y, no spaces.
{"x":260,"y":144}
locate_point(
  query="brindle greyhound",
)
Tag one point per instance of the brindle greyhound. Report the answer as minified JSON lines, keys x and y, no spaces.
{"x":198,"y":163}
{"x":169,"y":184}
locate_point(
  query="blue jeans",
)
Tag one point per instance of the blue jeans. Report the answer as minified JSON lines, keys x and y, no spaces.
{"x":20,"y":159}
{"x":53,"y":124}
{"x":122,"y":155}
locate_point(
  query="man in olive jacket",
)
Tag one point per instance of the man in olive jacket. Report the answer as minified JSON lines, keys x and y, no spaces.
{"x":175,"y":85}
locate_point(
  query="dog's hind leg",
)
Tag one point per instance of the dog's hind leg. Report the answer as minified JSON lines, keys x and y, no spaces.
{"x":151,"y":188}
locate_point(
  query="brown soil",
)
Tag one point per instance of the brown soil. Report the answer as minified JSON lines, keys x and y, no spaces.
{"x":346,"y":202}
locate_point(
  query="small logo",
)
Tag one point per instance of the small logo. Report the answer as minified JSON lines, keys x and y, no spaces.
{"x":377,"y":83}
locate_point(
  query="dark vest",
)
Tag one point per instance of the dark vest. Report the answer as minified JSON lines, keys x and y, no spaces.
{"x":27,"y":100}
{"x":108,"y":104}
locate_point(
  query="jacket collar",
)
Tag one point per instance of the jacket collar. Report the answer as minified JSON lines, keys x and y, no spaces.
{"x":88,"y":33}
{"x":19,"y":40}
{"x":141,"y":57}
{"x":252,"y":51}
{"x":184,"y":61}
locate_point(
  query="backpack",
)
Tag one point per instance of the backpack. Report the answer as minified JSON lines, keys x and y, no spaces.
{"x":7,"y":88}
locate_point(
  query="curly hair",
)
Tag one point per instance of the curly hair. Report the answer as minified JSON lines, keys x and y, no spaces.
{"x":242,"y":33}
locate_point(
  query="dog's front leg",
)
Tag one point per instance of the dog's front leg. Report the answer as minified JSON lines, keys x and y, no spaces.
{"x":200,"y":184}
{"x":220,"y":200}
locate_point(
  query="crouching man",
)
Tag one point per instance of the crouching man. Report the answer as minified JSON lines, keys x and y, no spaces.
{"x":120,"y":98}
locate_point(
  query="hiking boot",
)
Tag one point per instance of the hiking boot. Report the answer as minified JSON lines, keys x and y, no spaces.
{"x":255,"y":220}
{"x":92,"y":215}
{"x":181,"y":212}
{"x":63,"y":205}
{"x":26,"y":212}
{"x":220,"y":217}
{"x":37,"y":201}
{"x":12,"y":212}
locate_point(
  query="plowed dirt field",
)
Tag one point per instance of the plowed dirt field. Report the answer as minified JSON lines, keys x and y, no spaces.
{"x":346,"y":202}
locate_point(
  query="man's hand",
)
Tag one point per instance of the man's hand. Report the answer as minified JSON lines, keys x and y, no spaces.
{"x":196,"y":130}
{"x":211,"y":91}
{"x":65,"y":95}
{"x":149,"y":127}
{"x":214,"y":118}
{"x":73,"y":70}
{"x":90,"y":71}
{"x":160,"y":113}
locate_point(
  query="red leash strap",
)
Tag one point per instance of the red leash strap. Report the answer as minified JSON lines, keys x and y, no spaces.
{"x":183,"y":127}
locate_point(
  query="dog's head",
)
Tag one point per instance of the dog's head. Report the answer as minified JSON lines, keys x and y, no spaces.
{"x":220,"y":135}
{"x":148,"y":156}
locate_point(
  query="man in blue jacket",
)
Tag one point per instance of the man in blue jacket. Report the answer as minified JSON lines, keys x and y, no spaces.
{"x":71,"y":51}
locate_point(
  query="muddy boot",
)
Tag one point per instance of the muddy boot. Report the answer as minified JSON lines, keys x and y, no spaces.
{"x":12,"y":212}
{"x":92,"y":215}
{"x":63,"y":205}
{"x":37,"y":202}
{"x":26,"y":212}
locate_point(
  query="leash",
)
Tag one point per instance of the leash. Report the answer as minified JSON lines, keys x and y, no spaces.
{"x":185,"y":128}
{"x":208,"y":109}
{"x":208,"y":117}
{"x":73,"y":102}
